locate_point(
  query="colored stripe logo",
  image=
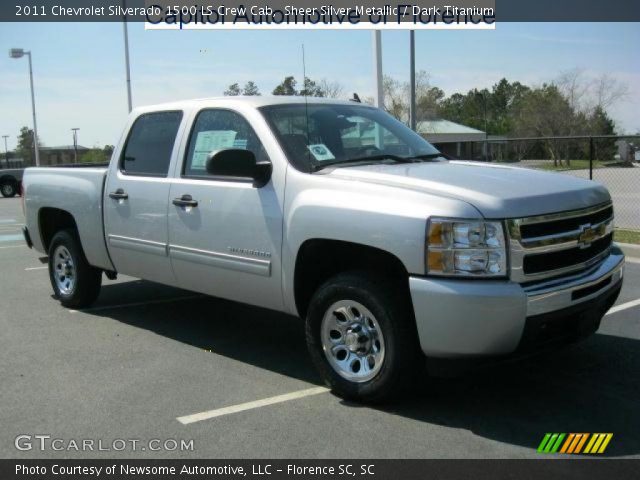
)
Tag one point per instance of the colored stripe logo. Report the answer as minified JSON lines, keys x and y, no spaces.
{"x":574,"y":443}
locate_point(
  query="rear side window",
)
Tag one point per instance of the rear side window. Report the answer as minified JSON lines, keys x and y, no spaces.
{"x":150,"y":142}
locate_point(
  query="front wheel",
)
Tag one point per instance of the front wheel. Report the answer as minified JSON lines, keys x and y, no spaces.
{"x":361,"y":337}
{"x":8,"y":188}
{"x":75,"y":283}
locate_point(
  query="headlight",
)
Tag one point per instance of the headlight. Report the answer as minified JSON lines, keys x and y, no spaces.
{"x":466,"y":248}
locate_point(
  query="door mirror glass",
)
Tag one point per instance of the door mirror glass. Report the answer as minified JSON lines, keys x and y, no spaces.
{"x":239,"y":163}
{"x":231,"y":162}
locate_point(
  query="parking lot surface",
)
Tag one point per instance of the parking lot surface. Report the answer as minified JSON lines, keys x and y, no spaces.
{"x":146,"y":356}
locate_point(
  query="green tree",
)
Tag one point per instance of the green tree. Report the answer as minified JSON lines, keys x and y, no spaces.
{"x":93,"y":155}
{"x":232,"y":90}
{"x":545,"y":112}
{"x":25,"y":148}
{"x":287,"y":87}
{"x":250,"y":89}
{"x":108,"y":151}
{"x":311,"y":89}
{"x":601,"y":124}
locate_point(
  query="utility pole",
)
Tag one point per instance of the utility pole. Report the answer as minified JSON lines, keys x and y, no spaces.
{"x":75,"y":144}
{"x":377,"y":81}
{"x":6,"y":150}
{"x":412,"y":73}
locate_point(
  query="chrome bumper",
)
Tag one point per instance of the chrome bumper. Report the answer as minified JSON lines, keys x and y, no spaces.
{"x":558,"y":294}
{"x":462,"y":318}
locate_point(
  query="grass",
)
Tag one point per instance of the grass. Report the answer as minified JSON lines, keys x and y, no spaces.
{"x":573,"y":165}
{"x":626,"y":236}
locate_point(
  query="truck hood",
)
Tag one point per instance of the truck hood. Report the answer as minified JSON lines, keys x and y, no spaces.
{"x":496,"y":191}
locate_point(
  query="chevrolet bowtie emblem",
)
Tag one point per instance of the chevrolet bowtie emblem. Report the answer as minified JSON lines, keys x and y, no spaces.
{"x":587,"y":235}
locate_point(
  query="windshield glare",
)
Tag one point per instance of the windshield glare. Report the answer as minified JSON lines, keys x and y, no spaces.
{"x":323,"y":133}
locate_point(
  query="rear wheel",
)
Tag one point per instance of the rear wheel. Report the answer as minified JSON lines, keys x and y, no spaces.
{"x":9,"y":188}
{"x":75,"y":283}
{"x":361,"y":337}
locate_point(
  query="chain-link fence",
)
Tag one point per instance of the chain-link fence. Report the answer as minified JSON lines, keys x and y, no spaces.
{"x":611,"y":160}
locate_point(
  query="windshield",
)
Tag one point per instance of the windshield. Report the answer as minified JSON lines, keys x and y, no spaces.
{"x":317,"y":135}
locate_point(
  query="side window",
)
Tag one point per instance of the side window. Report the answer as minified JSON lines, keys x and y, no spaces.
{"x":150,"y":142}
{"x":218,"y":130}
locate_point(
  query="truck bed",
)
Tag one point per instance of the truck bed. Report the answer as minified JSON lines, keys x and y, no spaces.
{"x":79,"y":192}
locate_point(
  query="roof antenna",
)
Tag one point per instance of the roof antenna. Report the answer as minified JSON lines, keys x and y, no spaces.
{"x":306,"y":105}
{"x":356,"y":98}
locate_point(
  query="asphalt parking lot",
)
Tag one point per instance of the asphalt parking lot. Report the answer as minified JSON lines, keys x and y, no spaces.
{"x":147,"y":355}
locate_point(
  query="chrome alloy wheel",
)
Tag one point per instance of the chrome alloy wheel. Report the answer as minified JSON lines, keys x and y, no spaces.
{"x":352,"y":341}
{"x":64,"y":270}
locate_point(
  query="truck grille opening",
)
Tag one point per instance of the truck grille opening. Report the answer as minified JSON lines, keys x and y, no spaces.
{"x":559,"y":244}
{"x":564,"y":225}
{"x":560,"y":259}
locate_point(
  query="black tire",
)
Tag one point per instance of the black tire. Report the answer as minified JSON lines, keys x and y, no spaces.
{"x":86,"y":279}
{"x":390,"y":305}
{"x":9,"y":188}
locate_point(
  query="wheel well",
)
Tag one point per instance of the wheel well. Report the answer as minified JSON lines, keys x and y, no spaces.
{"x":8,"y":179}
{"x":318,"y":260}
{"x":51,"y":221}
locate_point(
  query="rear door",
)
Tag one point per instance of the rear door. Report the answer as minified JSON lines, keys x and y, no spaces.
{"x":136,"y":197}
{"x":227,"y":240}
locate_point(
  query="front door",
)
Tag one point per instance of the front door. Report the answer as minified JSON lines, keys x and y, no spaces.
{"x":136,"y":198}
{"x":225,"y":235}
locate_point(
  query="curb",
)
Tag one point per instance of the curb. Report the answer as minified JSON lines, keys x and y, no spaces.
{"x":630,"y":249}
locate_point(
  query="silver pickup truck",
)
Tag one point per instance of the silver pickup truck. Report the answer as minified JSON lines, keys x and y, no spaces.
{"x":341,"y":215}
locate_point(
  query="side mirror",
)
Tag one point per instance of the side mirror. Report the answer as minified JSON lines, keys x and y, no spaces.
{"x":239,"y":163}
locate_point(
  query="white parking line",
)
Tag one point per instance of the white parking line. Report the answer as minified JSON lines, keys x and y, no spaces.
{"x":11,"y":237}
{"x":14,"y":246}
{"x":632,"y":260}
{"x":136,"y":304}
{"x":624,"y":306}
{"x":35,"y":268}
{"x":198,"y":417}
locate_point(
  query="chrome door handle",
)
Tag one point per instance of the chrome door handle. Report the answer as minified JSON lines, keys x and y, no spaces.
{"x":185,"y":201}
{"x":119,"y":194}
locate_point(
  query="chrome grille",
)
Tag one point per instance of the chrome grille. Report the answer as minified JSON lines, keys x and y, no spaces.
{"x":549,"y":246}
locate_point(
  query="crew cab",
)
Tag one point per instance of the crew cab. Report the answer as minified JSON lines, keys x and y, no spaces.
{"x":339,"y":214}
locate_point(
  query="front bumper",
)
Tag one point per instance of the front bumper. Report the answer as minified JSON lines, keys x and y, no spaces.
{"x":27,"y":237}
{"x":462,"y":318}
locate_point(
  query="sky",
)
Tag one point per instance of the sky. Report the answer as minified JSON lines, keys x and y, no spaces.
{"x":79,"y":70}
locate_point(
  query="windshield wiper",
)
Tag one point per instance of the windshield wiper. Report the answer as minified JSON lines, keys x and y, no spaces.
{"x":372,"y":158}
{"x":427,"y":156}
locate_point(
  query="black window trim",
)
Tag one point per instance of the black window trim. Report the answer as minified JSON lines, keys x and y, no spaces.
{"x":126,"y":143}
{"x":214,"y":178}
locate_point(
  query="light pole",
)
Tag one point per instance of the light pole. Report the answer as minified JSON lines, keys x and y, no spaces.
{"x":6,"y":150}
{"x":412,"y":81}
{"x":126,"y":54}
{"x":376,"y":38}
{"x":19,"y":53}
{"x":75,"y":144}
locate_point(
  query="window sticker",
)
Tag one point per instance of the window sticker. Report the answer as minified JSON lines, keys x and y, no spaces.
{"x":240,"y":143}
{"x":321,"y":152}
{"x":209,"y":141}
